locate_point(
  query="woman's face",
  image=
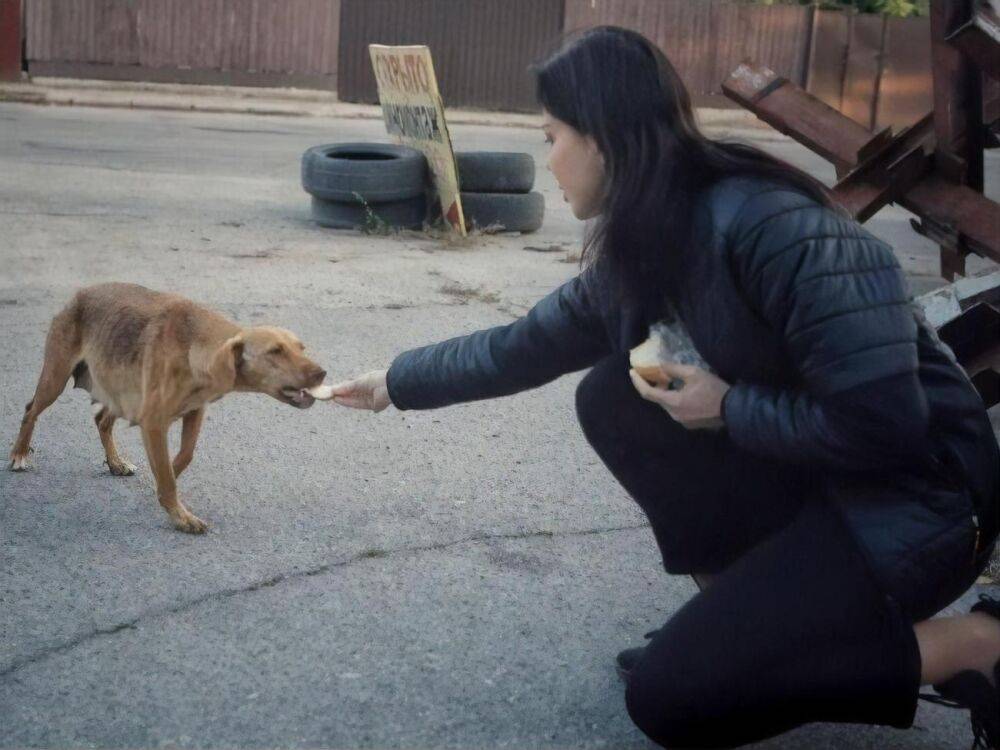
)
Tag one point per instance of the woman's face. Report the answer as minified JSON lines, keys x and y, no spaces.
{"x":578,"y":166}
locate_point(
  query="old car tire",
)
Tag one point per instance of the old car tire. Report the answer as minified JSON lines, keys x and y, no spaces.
{"x":511,"y":212}
{"x":377,"y":172}
{"x":495,"y":171}
{"x":404,"y":214}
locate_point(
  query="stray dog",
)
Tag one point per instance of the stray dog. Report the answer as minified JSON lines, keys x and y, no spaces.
{"x":152,"y":358}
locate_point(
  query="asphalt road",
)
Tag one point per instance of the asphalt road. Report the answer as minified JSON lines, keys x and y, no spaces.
{"x":450,"y":579}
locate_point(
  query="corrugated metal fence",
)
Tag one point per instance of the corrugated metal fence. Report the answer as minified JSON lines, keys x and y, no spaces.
{"x":202,"y":41}
{"x":875,"y":69}
{"x":705,"y":41}
{"x":481,"y":49}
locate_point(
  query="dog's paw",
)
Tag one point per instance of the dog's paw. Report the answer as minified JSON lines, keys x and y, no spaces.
{"x":121,"y":469}
{"x":18,"y":463}
{"x":189,"y":523}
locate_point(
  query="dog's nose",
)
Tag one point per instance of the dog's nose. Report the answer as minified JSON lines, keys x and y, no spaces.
{"x":318,"y":376}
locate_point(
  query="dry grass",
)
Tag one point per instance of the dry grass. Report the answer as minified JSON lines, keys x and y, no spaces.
{"x":465,"y":294}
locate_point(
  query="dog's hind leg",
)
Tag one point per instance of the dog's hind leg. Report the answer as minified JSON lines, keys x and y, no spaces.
{"x":117,"y":465}
{"x":155,"y":439}
{"x":189,"y":438}
{"x":62,"y":351}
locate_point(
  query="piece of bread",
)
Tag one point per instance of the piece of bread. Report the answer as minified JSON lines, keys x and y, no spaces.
{"x":645,"y":359}
{"x":321,"y":392}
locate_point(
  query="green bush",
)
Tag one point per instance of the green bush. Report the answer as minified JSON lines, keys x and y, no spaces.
{"x":899,"y":8}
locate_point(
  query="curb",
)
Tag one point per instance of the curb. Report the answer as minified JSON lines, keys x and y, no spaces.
{"x":290,"y":103}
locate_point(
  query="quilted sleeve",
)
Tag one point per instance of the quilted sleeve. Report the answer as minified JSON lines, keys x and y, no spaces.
{"x":838,"y":298}
{"x":562,"y":333}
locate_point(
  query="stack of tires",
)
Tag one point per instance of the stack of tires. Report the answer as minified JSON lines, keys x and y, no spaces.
{"x":373,"y":186}
{"x":496,"y":191}
{"x":366,"y":185}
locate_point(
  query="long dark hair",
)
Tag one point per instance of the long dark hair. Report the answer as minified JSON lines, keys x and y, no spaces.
{"x":618,"y":87}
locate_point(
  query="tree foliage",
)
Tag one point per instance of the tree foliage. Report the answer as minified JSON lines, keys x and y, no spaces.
{"x":899,"y":8}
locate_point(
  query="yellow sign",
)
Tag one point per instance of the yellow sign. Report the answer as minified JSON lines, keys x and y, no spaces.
{"x":414,"y":113}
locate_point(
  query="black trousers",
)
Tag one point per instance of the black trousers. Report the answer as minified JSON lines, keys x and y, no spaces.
{"x":795,"y":629}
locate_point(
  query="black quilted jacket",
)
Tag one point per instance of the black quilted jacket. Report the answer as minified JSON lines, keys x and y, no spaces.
{"x":807,"y":315}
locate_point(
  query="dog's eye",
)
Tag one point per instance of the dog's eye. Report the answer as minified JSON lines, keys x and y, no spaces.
{"x":276,"y":349}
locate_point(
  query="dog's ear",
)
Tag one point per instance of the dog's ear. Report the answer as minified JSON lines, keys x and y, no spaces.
{"x":227,"y":362}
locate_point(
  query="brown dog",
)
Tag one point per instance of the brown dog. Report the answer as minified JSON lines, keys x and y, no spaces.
{"x":153,"y":358}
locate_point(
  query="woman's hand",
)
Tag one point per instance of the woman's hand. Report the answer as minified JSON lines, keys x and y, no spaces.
{"x":366,"y":392}
{"x":696,"y":404}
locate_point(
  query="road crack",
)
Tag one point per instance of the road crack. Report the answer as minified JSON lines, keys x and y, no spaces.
{"x":366,"y":555}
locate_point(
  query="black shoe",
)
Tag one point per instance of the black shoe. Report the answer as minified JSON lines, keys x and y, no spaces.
{"x":626,"y":660}
{"x":973,"y":691}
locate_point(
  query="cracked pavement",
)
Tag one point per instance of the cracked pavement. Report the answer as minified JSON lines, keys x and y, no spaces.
{"x":455,"y":578}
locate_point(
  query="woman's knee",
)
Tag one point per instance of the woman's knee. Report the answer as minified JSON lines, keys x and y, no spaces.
{"x":680,"y":694}
{"x":674,"y":716}
{"x":669,"y":715}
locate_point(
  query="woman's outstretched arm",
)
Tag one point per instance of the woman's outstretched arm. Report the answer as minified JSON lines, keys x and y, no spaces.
{"x":562,"y":333}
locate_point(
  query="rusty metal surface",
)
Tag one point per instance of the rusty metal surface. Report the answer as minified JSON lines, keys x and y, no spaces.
{"x":481,"y":49}
{"x":791,"y":110}
{"x":966,"y":315}
{"x":889,"y":174}
{"x":979,"y":38}
{"x":295,"y":37}
{"x":957,"y":97}
{"x":934,"y":168}
{"x":973,"y":337}
{"x":966,"y":214}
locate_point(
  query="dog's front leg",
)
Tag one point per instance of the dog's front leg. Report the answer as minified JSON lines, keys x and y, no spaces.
{"x":189,"y":438}
{"x":154,"y":437}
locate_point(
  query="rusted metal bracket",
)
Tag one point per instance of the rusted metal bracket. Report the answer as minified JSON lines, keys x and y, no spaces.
{"x":958,"y":93}
{"x":934,"y":168}
{"x":911,"y":169}
{"x":979,"y":38}
{"x":974,"y":337}
{"x":970,"y":216}
{"x":887,"y":175}
{"x":966,"y":315}
{"x":790,"y":110}
{"x":953,"y":251}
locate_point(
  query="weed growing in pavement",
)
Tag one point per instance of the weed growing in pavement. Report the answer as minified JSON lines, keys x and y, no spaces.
{"x":374,"y":224}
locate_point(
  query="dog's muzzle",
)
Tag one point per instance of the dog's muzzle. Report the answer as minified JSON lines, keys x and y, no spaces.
{"x":297,"y":397}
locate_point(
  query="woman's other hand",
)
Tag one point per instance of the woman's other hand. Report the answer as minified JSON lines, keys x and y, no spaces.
{"x":695,"y":404}
{"x":369,"y":391}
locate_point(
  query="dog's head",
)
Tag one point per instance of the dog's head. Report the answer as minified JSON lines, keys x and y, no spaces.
{"x":271,"y":360}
